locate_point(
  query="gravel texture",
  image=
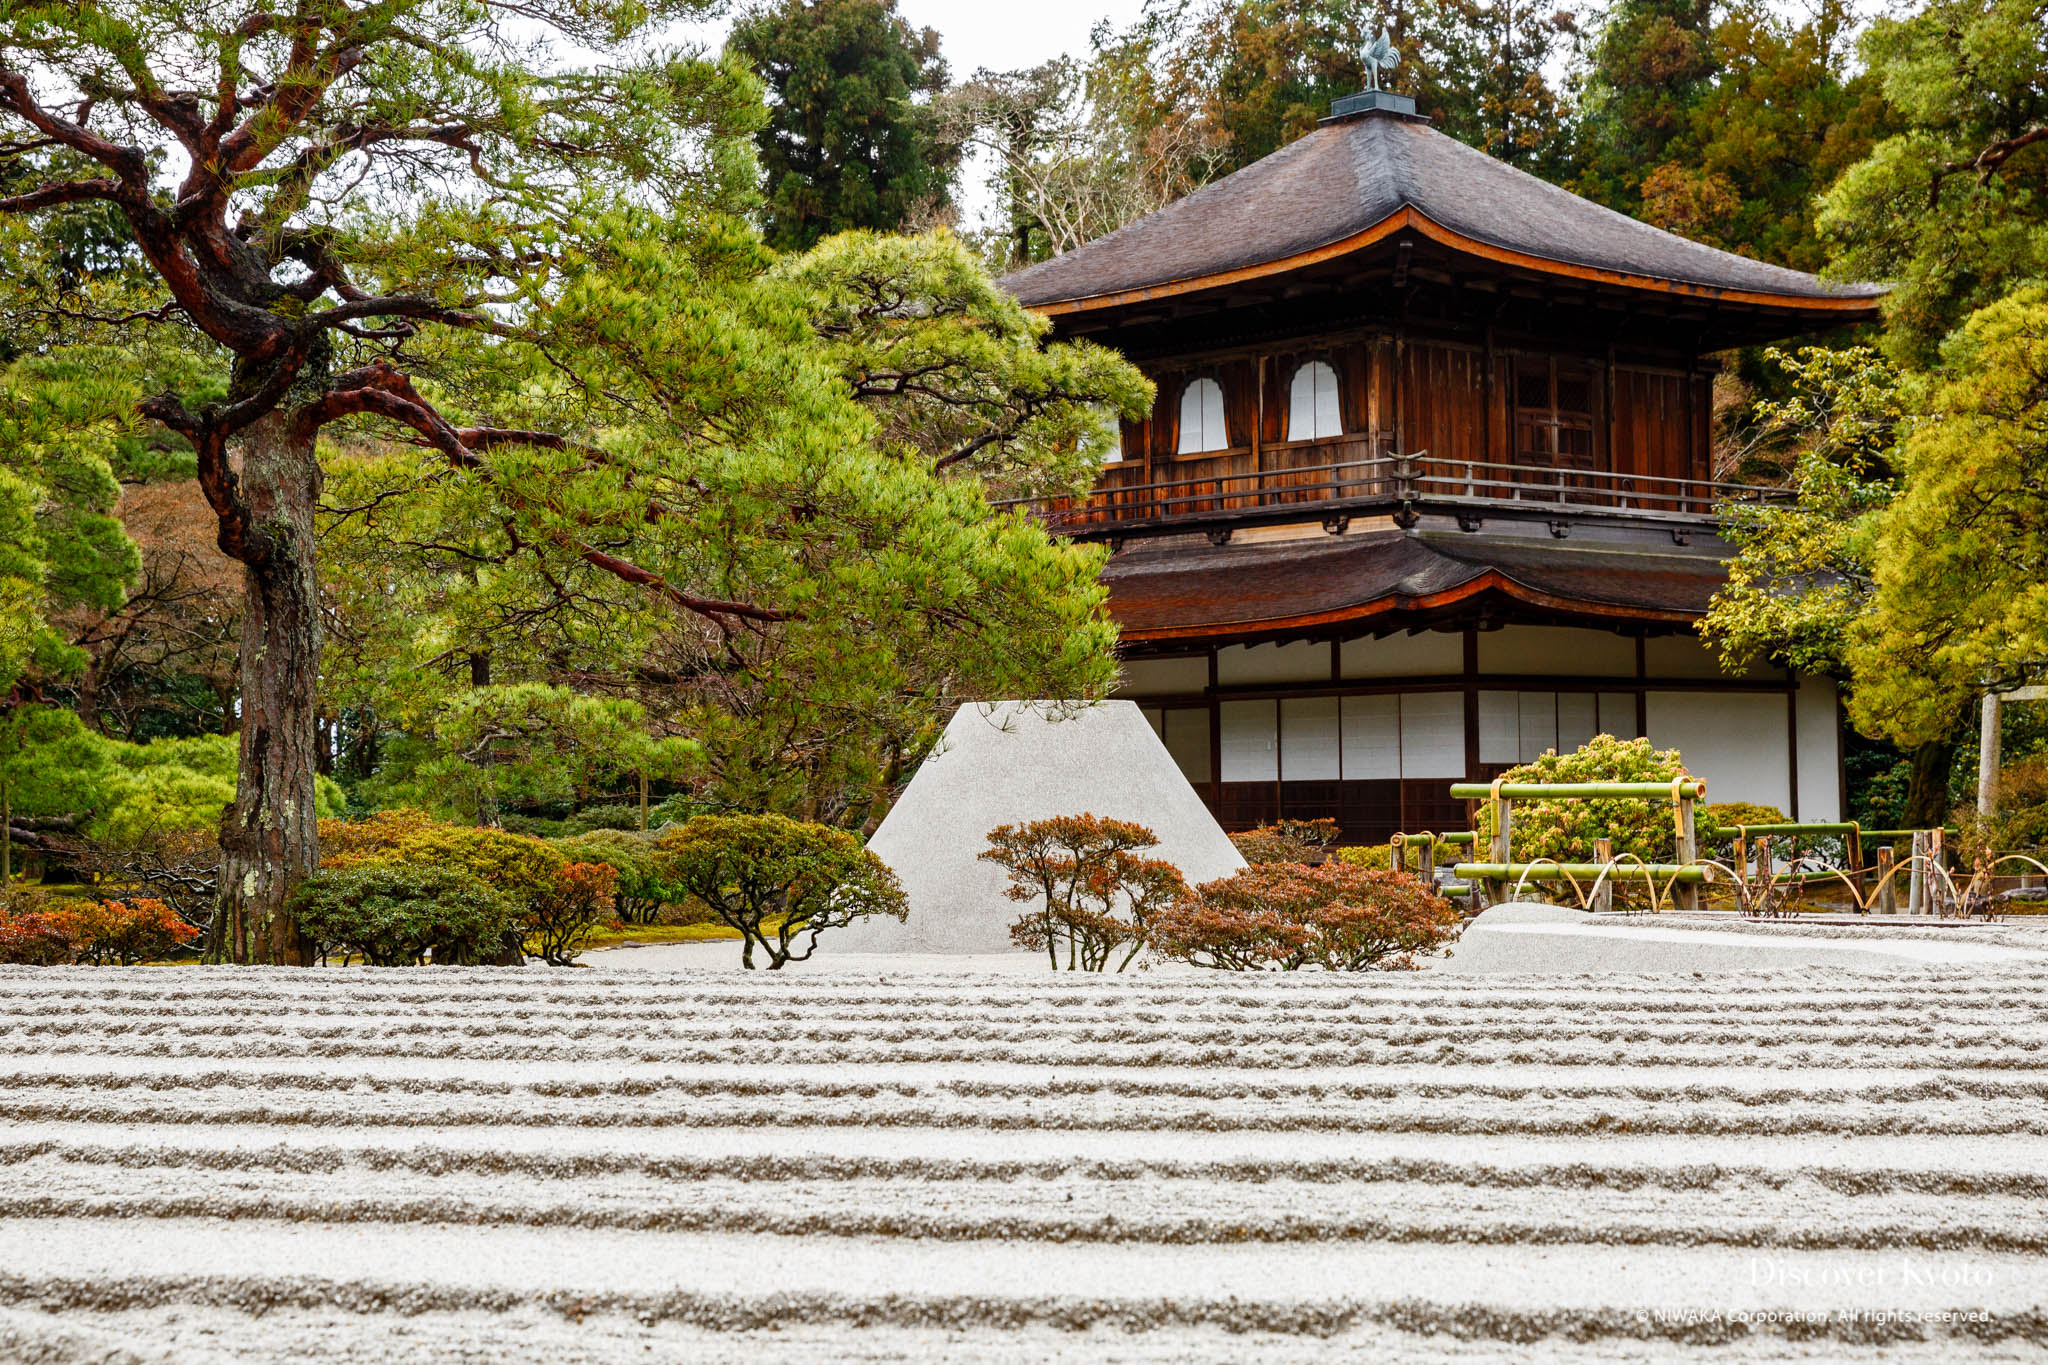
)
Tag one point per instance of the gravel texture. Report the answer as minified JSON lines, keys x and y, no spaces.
{"x":895,"y":1164}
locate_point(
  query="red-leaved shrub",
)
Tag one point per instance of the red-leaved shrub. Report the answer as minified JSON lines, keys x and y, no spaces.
{"x":41,"y":932}
{"x":1288,"y":916}
{"x":1096,"y":893}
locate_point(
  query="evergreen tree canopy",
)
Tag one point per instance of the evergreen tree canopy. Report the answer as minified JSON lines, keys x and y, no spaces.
{"x":850,"y":140}
{"x":1962,"y":559}
{"x":1952,"y":209}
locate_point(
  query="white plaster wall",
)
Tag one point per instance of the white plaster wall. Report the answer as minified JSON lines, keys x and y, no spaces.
{"x":1164,"y":677}
{"x":1820,"y":751}
{"x":1684,"y":656}
{"x":1434,"y":653}
{"x":1301,"y":661}
{"x":1567,"y":650}
{"x":1735,"y":740}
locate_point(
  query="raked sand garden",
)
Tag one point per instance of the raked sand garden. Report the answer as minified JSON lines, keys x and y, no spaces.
{"x":660,"y":1158}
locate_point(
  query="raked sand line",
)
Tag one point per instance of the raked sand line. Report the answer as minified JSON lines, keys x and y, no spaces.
{"x":384,"y":1166}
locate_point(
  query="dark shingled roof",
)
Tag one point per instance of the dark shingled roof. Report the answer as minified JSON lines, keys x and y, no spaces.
{"x":1160,"y":591}
{"x":1351,"y":175}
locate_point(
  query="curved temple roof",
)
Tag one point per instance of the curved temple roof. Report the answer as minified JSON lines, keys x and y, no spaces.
{"x":1355,"y":181}
{"x":1200,"y":592}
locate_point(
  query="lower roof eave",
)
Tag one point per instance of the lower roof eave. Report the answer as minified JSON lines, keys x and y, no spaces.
{"x":1491,"y":582}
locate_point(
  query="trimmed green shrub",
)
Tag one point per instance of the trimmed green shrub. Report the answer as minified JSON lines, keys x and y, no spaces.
{"x":395,"y":914}
{"x":1566,"y":830}
{"x":518,"y":865}
{"x":777,"y":880}
{"x":1367,"y":855}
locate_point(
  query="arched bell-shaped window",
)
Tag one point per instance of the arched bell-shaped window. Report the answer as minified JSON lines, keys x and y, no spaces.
{"x":1111,"y":436}
{"x":1201,"y":418}
{"x":1312,"y":410}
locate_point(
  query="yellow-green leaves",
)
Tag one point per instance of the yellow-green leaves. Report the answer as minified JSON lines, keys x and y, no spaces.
{"x":1962,"y":558}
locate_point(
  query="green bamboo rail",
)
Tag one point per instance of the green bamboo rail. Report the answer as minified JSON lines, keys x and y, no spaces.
{"x":1539,"y":791}
{"x":1426,"y":840}
{"x":1687,"y":873}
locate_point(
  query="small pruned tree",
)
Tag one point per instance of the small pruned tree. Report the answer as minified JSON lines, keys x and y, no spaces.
{"x":1286,"y":916}
{"x":1096,"y":892}
{"x":559,"y":920}
{"x":779,"y":881}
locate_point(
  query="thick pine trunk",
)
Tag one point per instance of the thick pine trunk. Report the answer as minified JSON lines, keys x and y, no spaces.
{"x":268,"y":840}
{"x":1927,"y":803}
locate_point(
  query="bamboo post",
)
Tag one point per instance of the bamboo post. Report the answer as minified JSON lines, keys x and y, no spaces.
{"x":1397,"y":853}
{"x":1766,"y":871}
{"x":1603,"y":854}
{"x":1686,"y":896}
{"x":1502,"y":816}
{"x":1425,"y":860}
{"x":1937,"y":885}
{"x":1887,"y":885}
{"x":1916,"y":895}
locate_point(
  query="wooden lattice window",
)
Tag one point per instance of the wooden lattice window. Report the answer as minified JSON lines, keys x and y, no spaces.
{"x":1554,"y":414}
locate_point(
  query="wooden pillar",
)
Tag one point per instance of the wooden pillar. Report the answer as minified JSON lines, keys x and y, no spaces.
{"x":1887,"y":889}
{"x":1502,"y":849}
{"x":1916,"y":898}
{"x":1792,"y":751}
{"x":1603,"y":854}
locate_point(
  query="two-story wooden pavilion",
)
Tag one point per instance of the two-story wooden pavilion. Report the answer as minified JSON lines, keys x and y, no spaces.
{"x":1427,"y":489}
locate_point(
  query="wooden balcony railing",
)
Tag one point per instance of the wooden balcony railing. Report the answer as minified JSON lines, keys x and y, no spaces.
{"x":1361,"y":486}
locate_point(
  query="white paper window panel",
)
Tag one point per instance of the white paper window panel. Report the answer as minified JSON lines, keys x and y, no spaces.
{"x":1736,"y":741}
{"x":1820,"y":755}
{"x":1500,"y":727}
{"x":1155,"y":677}
{"x":1156,"y":719}
{"x":1432,"y":734}
{"x":1372,"y":738}
{"x":1578,"y":719}
{"x":1618,"y":714}
{"x":1112,"y":437}
{"x":1538,"y":713}
{"x":1250,"y":732}
{"x":1201,"y":418}
{"x":1312,"y":410}
{"x":1187,"y":738}
{"x":1433,"y":653}
{"x":1301,"y":661}
{"x":1308,"y":739}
